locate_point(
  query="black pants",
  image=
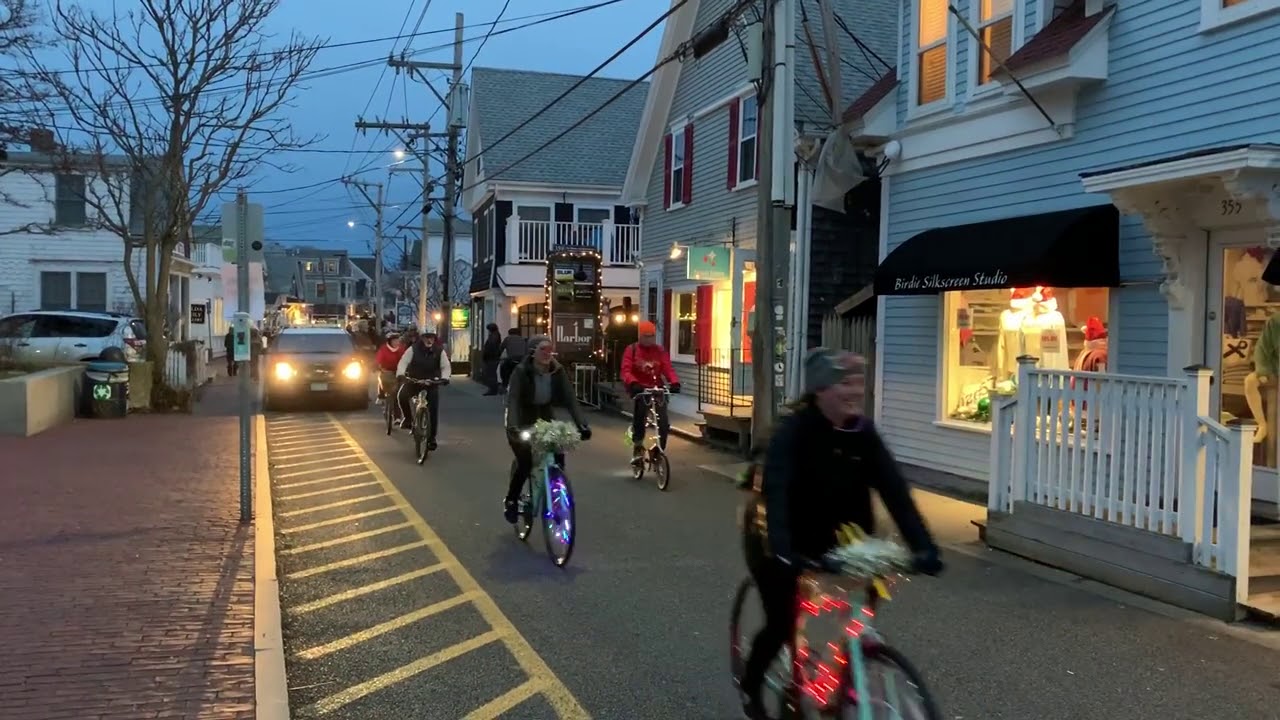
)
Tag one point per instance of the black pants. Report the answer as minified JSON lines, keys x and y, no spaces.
{"x":405,"y":395}
{"x":491,"y":375}
{"x":231,"y":365}
{"x":524,"y":466}
{"x":778,"y":586}
{"x":504,"y":370}
{"x":640,"y":415}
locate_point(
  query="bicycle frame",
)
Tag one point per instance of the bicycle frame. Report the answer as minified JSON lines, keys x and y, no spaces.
{"x":858,"y":633}
{"x":653,"y":396}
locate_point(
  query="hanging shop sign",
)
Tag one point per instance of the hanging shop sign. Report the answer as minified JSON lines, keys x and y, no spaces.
{"x":708,"y":263}
{"x":459,"y":318}
{"x":573,"y":332}
{"x":198,"y":313}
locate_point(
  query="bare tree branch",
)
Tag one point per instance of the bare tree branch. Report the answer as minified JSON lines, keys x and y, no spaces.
{"x":22,"y":95}
{"x":142,"y":102}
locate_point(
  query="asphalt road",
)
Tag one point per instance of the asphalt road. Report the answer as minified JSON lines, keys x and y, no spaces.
{"x":405,"y":595}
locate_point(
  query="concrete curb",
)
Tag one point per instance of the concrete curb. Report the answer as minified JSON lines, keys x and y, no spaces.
{"x":271,"y":690}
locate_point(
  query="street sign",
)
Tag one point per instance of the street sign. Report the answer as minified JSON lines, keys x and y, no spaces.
{"x":241,"y":337}
{"x":198,"y":313}
{"x":708,"y":263}
{"x":404,"y":314}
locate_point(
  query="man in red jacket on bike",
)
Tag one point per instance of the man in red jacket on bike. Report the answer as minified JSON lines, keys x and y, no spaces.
{"x":646,"y":364}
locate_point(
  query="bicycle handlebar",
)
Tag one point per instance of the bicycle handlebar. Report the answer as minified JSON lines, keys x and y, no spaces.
{"x":436,"y":381}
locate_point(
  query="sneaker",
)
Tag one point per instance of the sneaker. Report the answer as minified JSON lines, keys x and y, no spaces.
{"x":406,"y":425}
{"x":431,"y":445}
{"x":637,"y":455}
{"x":509,"y":509}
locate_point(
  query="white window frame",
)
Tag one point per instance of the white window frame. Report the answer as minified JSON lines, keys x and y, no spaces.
{"x":1018,"y":18}
{"x":673,"y":323}
{"x":577,"y":212}
{"x":914,"y":108}
{"x":1213,"y":15}
{"x":741,"y":183}
{"x":74,"y":271}
{"x":678,"y":136}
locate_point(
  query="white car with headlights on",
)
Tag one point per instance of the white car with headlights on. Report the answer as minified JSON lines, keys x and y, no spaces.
{"x":315,"y":363}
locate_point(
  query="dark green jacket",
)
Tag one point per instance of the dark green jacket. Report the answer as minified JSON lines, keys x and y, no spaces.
{"x":521,"y":410}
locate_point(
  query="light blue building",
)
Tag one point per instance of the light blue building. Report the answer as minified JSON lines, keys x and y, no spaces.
{"x":1118,"y":154}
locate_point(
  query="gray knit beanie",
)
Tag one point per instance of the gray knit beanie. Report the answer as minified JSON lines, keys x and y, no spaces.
{"x":824,"y":367}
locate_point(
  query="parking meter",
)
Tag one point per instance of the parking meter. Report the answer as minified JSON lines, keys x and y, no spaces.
{"x":241,"y":337}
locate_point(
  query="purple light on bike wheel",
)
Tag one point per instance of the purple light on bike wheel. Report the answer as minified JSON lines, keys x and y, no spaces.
{"x":558,"y":509}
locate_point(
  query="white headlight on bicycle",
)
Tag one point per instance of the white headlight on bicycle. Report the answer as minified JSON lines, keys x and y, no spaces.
{"x":526,"y":436}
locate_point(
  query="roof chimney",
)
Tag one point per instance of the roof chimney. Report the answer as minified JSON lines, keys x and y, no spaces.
{"x":41,"y":140}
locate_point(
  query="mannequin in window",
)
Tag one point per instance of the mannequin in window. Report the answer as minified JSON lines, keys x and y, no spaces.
{"x":1093,"y":358}
{"x":1010,"y":344}
{"x":1243,"y":288}
{"x":1266,"y":359}
{"x":1032,"y":326}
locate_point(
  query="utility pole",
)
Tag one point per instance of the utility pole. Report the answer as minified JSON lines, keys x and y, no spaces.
{"x":376,"y":201}
{"x":773,"y":239}
{"x":456,"y":121}
{"x":413,"y":132}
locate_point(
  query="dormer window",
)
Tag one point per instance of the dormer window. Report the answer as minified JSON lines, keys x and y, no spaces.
{"x":932,"y":53}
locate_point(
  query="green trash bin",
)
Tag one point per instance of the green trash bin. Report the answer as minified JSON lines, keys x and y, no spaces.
{"x":105,"y":392}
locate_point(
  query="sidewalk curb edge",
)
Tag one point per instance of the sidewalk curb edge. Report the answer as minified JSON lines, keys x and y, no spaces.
{"x":678,"y":432}
{"x":271,"y":690}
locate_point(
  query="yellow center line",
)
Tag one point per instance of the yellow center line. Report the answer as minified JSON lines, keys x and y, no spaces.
{"x":557,"y":694}
{"x":417,"y":667}
{"x":326,"y":491}
{"x":298,"y":473}
{"x":506,"y":702}
{"x":307,"y":483}
{"x":366,"y":589}
{"x":321,"y":461}
{"x":311,"y":452}
{"x":331,"y":505}
{"x":358,"y":560}
{"x":345,"y":539}
{"x":383,"y":628}
{"x":340,"y":520}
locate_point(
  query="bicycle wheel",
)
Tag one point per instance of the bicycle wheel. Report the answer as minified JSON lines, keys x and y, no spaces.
{"x":894,"y":686}
{"x":524,"y":510}
{"x":558,"y":518}
{"x":661,"y":467}
{"x":419,"y":436}
{"x":424,"y":420}
{"x":388,"y":411}
{"x":775,"y":692}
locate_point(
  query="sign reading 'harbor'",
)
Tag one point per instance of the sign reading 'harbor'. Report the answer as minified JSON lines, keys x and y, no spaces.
{"x":976,"y":281}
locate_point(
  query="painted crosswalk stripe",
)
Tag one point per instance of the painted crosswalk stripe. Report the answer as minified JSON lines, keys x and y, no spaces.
{"x":506,"y":702}
{"x":326,"y":491}
{"x":313,"y":471}
{"x":345,"y":539}
{"x":309,"y":483}
{"x":383,"y":628}
{"x":330,"y":506}
{"x":340,"y":520}
{"x":367,"y":589}
{"x":359,"y":560}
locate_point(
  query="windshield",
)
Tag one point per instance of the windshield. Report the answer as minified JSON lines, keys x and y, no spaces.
{"x":334,"y":343}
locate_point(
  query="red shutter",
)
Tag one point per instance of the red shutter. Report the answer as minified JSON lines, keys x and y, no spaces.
{"x":688,"y":164}
{"x":735,"y":110}
{"x":757,"y":138}
{"x":667,"y":315}
{"x":666,"y":172}
{"x":702,"y":326}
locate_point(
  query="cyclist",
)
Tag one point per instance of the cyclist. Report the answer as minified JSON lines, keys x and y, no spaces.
{"x":819,"y":469}
{"x":423,"y":360}
{"x":646,"y":364}
{"x":388,"y":359}
{"x":535,"y":385}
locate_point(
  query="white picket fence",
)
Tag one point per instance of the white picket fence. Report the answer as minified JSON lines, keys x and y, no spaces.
{"x":186,"y":371}
{"x":1137,"y":451}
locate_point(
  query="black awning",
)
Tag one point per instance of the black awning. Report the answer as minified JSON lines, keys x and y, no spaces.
{"x":1069,"y":248}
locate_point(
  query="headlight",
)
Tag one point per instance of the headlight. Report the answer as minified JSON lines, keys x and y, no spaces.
{"x":352,"y":371}
{"x":285,"y":371}
{"x":525,"y":436}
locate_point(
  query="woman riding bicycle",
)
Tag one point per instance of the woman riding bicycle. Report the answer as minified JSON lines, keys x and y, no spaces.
{"x":388,"y":359}
{"x":535,"y":385}
{"x":819,"y":469}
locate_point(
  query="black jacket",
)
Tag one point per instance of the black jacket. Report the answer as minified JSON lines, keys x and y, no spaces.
{"x":817,"y":479}
{"x":521,"y":410}
{"x":492,"y":348}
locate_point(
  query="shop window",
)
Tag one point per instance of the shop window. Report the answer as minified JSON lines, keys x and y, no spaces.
{"x":529,"y":320}
{"x":684,"y":307}
{"x":747,"y":322}
{"x":986,"y":331}
{"x":1248,"y":364}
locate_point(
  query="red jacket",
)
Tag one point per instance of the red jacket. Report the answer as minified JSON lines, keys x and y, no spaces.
{"x":389,"y":357}
{"x":647,"y":366}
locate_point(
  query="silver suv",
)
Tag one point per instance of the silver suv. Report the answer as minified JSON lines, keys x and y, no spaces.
{"x":52,"y":336}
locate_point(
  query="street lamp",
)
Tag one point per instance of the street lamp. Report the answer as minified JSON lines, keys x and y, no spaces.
{"x":377,"y":264}
{"x":399,"y":154}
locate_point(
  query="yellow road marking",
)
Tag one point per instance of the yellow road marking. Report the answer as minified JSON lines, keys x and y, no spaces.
{"x":340,"y":520}
{"x":299,"y":473}
{"x":355,"y":692}
{"x":557,"y":694}
{"x":383,"y":628}
{"x":326,"y":491}
{"x":366,"y":589}
{"x":331,"y":505}
{"x":321,"y":461}
{"x":506,"y":702}
{"x":305,"y":483}
{"x":297,"y":430}
{"x":312,"y":452}
{"x":311,"y":441}
{"x":358,"y":560}
{"x":345,"y":539}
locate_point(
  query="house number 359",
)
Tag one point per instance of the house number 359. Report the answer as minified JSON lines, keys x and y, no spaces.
{"x":1231,"y":207}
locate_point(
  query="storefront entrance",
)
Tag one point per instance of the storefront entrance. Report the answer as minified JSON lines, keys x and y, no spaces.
{"x":1242,"y":346}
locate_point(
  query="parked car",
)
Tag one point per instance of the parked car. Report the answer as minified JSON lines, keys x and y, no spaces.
{"x":314,"y":363}
{"x":43,"y":337}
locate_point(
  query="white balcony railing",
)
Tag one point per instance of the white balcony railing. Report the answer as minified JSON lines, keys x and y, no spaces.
{"x":531,"y":240}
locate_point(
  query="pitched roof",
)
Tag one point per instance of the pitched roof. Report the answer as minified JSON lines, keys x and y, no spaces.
{"x":595,"y":153}
{"x":366,"y":265}
{"x":874,"y":94}
{"x":1058,"y":37}
{"x":875,"y":24}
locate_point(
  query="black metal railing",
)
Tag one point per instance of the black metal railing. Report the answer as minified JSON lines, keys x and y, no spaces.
{"x":724,"y":380}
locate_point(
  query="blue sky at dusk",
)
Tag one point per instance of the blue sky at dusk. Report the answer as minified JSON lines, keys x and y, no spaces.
{"x":329,"y":105}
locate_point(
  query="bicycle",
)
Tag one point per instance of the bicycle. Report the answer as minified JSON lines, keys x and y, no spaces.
{"x":391,"y":405}
{"x":420,"y":407}
{"x":863,"y":678}
{"x":547,"y":490}
{"x":654,"y":456}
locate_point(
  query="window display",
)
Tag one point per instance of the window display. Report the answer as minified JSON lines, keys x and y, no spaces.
{"x":1250,"y":348}
{"x":987,"y":330}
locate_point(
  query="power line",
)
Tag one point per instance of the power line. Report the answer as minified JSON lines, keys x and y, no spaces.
{"x":487,"y":35}
{"x":582,"y":80}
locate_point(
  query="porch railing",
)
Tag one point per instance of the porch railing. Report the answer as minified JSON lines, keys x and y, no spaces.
{"x":724,"y":381}
{"x":531,"y":240}
{"x":186,"y":365}
{"x":1136,"y":451}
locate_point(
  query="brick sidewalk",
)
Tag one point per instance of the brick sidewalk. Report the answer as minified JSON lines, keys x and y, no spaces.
{"x":126,"y":576}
